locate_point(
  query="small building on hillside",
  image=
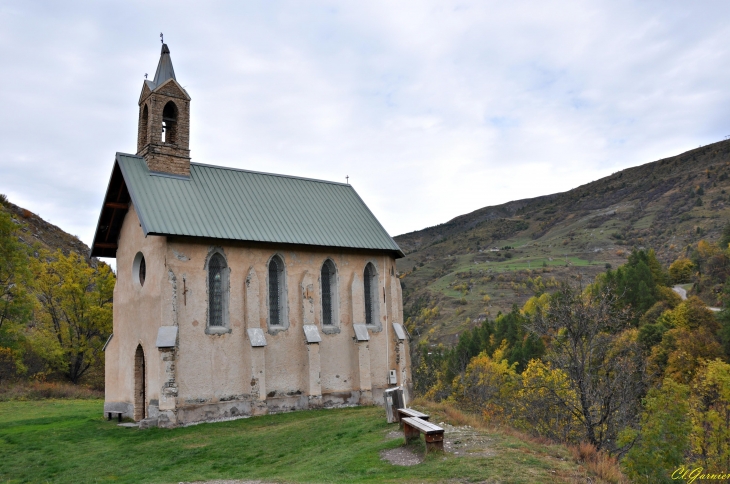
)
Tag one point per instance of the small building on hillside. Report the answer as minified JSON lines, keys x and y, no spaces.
{"x":240,"y":292}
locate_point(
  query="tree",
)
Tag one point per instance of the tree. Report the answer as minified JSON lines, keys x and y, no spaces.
{"x":427,"y":367}
{"x":636,"y":284}
{"x":725,"y":238}
{"x":602,"y":361}
{"x":724,"y":332}
{"x":687,"y":334}
{"x":541,"y":402}
{"x":488,"y":384}
{"x":15,"y":302}
{"x":660,"y":445}
{"x":75,"y":315}
{"x":680,"y":271}
{"x":710,"y":411}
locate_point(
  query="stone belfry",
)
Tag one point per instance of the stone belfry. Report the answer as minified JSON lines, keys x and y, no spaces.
{"x":163,"y":134}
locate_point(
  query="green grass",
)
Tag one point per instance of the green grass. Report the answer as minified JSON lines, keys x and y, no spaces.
{"x":521,"y":264}
{"x":69,"y":441}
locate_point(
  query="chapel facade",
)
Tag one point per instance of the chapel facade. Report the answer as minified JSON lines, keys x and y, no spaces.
{"x":238,"y":292}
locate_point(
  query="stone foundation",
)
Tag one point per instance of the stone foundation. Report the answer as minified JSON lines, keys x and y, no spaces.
{"x":231,"y":409}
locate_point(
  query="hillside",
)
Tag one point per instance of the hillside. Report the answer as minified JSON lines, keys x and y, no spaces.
{"x":36,"y":230}
{"x":506,"y":251}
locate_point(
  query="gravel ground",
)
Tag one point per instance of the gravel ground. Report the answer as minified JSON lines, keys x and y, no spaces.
{"x":401,"y":456}
{"x":458,"y":440}
{"x":465,"y":440}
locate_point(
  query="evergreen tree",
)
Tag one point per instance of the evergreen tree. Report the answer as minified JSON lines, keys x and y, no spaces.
{"x":725,"y":238}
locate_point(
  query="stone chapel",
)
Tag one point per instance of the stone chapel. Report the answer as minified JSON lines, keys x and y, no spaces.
{"x":240,"y":292}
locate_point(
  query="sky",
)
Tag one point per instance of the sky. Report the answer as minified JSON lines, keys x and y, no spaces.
{"x":433,"y":109}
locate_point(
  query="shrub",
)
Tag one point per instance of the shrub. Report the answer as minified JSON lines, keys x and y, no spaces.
{"x":47,"y":390}
{"x":680,"y":271}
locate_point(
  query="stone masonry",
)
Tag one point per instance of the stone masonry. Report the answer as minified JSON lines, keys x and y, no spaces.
{"x":173,"y":155}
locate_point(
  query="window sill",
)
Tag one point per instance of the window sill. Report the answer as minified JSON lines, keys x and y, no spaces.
{"x":217,"y":330}
{"x":330,"y":329}
{"x":274,"y":329}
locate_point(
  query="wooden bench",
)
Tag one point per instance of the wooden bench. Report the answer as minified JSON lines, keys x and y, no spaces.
{"x":409,"y":412}
{"x":433,"y":434}
{"x":118,"y":414}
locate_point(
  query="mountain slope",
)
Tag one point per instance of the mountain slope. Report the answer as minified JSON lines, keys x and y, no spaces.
{"x":34,"y":229}
{"x":666,"y":205}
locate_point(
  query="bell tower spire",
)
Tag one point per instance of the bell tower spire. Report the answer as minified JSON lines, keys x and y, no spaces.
{"x":163,"y":133}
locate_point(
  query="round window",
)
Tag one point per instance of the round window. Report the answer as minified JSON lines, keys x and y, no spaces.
{"x":139,"y":268}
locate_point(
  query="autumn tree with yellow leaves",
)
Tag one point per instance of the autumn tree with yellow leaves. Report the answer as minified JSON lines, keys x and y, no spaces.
{"x":74,"y":314}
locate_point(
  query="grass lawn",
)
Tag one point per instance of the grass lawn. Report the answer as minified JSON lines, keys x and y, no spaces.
{"x":69,"y":441}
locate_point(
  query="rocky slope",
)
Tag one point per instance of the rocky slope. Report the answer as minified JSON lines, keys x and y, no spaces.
{"x":34,"y":229}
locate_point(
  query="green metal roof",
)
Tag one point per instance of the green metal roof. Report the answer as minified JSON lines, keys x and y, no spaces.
{"x":233,"y":204}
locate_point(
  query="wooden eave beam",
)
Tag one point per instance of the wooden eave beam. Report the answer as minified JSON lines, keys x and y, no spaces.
{"x":119,"y":205}
{"x":105,"y":245}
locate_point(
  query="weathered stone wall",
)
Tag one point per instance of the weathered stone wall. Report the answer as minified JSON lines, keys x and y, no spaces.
{"x":171,"y":156}
{"x":215,"y":372}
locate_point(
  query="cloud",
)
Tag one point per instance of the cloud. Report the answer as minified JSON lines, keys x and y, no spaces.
{"x":432,"y":109}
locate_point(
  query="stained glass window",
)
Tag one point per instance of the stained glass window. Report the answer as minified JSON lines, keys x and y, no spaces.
{"x":215,"y":290}
{"x":275,"y":290}
{"x":328,"y":280}
{"x":369,"y":289}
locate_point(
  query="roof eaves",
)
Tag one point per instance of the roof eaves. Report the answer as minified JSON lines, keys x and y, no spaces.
{"x":101,"y":212}
{"x":396,"y":253}
{"x":397,"y":248}
{"x":132,"y":192}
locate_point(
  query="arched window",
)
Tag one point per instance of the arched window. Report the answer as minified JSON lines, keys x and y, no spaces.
{"x":328,"y":280}
{"x":370,"y":282}
{"x":217,"y":291}
{"x":169,"y":123}
{"x":140,"y":399}
{"x":143,"y":127}
{"x":277,"y":303}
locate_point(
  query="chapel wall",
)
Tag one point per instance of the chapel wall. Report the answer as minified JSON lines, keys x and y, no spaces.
{"x":215,"y":368}
{"x":212,"y":374}
{"x":137,"y":317}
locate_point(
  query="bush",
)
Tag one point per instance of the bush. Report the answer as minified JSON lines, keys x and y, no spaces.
{"x":8,"y":368}
{"x":680,"y":271}
{"x":46,"y":390}
{"x":599,"y":463}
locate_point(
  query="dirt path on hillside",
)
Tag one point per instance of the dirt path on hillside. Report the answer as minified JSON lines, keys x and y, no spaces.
{"x":683,"y":294}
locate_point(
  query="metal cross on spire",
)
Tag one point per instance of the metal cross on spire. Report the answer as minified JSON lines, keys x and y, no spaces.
{"x":347,"y":178}
{"x":162,"y":38}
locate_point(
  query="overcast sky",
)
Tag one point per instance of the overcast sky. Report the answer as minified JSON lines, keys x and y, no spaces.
{"x":434,"y":109}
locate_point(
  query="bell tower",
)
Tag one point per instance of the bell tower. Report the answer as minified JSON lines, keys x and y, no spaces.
{"x":163,"y":133}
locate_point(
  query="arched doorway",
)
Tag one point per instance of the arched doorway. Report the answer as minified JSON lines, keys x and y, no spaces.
{"x":139,"y":384}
